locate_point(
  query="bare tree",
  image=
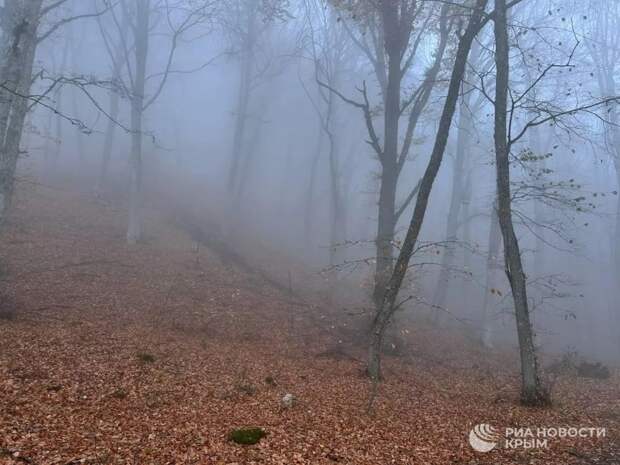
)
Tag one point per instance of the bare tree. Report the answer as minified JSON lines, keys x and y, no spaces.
{"x":390,"y":37}
{"x":532,"y":390}
{"x":21,"y":21}
{"x":331,"y":54}
{"x":247,"y":22}
{"x":461,"y":180}
{"x":135,"y":57}
{"x":116,"y":54}
{"x":389,"y":304}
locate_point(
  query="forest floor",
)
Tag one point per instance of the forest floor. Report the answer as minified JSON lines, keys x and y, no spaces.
{"x":144,"y":355}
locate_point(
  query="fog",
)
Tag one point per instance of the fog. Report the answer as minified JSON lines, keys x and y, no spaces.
{"x":300,"y":136}
{"x":189,"y":134}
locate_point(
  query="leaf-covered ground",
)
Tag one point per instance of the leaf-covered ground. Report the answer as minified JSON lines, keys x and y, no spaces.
{"x":115,"y":354}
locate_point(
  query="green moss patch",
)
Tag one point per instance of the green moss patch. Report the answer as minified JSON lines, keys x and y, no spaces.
{"x":145,"y":357}
{"x":246,"y":435}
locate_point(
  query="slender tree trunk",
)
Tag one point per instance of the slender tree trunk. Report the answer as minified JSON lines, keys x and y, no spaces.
{"x":491,"y":288}
{"x":58,"y":131}
{"x":134,"y":228}
{"x":389,"y":305}
{"x":243,"y":175}
{"x":456,"y":200}
{"x":59,"y":105}
{"x":108,"y":143}
{"x":539,"y":214}
{"x":389,"y":163}
{"x":608,"y":88}
{"x":75,"y":101}
{"x":532,"y":391}
{"x":309,"y":203}
{"x":337,"y":211}
{"x":338,"y":217}
{"x":245,"y":90}
{"x":465,"y":218}
{"x":117,"y":66}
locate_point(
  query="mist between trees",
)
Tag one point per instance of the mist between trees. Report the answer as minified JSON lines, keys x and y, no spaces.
{"x":449,"y":162}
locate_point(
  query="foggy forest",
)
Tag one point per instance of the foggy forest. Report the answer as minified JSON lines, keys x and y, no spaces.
{"x":364,"y":232}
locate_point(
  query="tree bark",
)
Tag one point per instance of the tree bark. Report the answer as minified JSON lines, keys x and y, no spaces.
{"x":134,"y":228}
{"x":532,"y":391}
{"x":389,"y":162}
{"x":22,"y":21}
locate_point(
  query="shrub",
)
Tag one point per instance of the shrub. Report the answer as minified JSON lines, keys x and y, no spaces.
{"x":593,"y":370}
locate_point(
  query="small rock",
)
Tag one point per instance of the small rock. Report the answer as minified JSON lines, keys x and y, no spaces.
{"x":287,"y":401}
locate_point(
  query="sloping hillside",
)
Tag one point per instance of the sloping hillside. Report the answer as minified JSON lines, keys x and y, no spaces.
{"x":153,"y":353}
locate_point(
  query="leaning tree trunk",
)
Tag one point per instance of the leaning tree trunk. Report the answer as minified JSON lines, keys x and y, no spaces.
{"x":134,"y":228}
{"x":532,"y":390}
{"x":389,"y":306}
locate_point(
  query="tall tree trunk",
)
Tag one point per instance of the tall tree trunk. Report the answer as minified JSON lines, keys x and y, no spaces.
{"x":22,"y":21}
{"x":388,"y":305}
{"x":456,"y":199}
{"x":539,"y":214}
{"x":338,"y":220}
{"x":59,"y":105}
{"x":532,"y":391}
{"x":389,"y":162}
{"x":309,"y":201}
{"x":75,"y":101}
{"x":245,"y":90}
{"x":117,"y":57}
{"x":108,"y":143}
{"x":491,"y":288}
{"x":134,"y":228}
{"x":243,"y":175}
